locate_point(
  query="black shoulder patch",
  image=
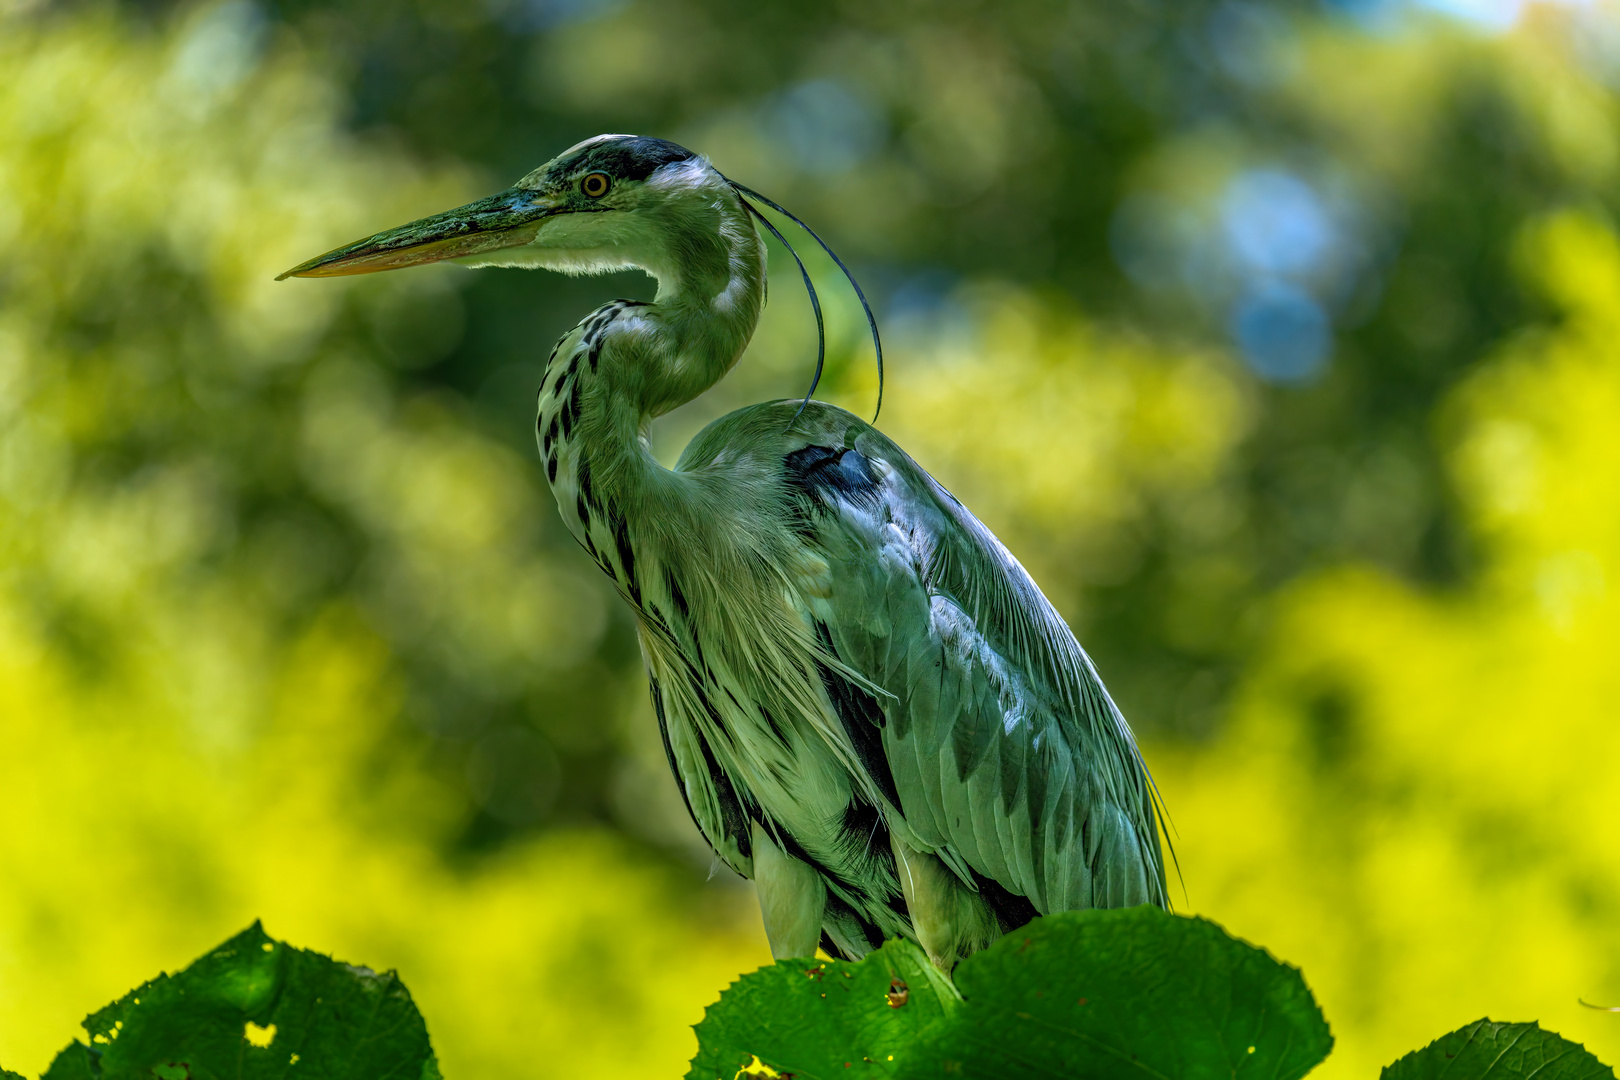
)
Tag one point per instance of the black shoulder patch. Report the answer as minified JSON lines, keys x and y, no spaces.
{"x":827,"y":474}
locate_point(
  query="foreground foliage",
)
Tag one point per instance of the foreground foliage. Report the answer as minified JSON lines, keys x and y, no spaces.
{"x":1082,"y":993}
{"x":1501,"y":1052}
{"x":257,"y":1008}
{"x":1132,"y":993}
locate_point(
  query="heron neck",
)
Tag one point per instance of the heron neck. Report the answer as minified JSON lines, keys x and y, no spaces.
{"x":630,"y":361}
{"x":708,"y":303}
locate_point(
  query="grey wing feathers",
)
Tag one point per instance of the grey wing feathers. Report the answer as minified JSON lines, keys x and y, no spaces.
{"x":1006,"y":751}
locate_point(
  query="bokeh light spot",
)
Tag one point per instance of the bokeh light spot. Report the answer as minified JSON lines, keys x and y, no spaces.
{"x":1495,"y":15}
{"x":1283,"y":333}
{"x":1275,"y":223}
{"x":221,"y":48}
{"x":824,"y":126}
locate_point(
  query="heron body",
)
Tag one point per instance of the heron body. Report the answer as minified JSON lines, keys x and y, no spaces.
{"x":869,"y":707}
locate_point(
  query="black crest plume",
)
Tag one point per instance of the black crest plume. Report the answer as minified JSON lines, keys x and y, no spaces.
{"x":815,"y":302}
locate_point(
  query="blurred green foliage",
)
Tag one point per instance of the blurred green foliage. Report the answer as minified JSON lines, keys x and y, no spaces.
{"x":1277,"y":339}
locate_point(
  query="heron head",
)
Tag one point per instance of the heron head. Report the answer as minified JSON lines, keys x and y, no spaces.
{"x":605,"y":204}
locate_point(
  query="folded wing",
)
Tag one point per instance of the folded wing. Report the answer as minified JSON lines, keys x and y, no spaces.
{"x":1006,"y":754}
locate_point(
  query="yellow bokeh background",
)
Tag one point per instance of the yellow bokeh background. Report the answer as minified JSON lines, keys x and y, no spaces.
{"x":1464,"y":862}
{"x":1414,"y":795}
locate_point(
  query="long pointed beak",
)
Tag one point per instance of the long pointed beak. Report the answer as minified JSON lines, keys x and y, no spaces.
{"x":510,"y":219}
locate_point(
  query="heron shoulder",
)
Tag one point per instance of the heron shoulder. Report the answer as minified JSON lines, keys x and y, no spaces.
{"x":767,"y":432}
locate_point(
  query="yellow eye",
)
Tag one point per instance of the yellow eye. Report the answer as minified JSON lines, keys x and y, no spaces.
{"x":595,"y":185}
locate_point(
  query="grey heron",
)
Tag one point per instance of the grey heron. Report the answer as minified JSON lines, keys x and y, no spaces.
{"x":870,"y":708}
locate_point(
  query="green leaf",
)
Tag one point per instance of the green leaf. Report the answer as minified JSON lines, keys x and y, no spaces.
{"x":1136,"y":993}
{"x":7,"y":1074}
{"x":1501,"y":1052}
{"x":256,"y":1009}
{"x":811,"y":1017}
{"x":77,"y":1062}
{"x":1129,"y":993}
